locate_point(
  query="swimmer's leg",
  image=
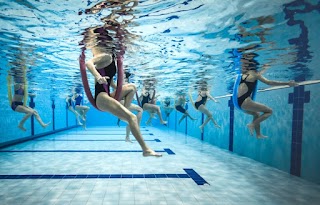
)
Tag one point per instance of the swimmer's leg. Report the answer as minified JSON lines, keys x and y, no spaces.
{"x":253,"y":107}
{"x":183,"y":116}
{"x":128,"y":134}
{"x":154,"y":108}
{"x":205,"y":111}
{"x":108,"y":104}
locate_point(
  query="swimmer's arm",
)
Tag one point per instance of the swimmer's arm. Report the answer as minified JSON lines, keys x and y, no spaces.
{"x":273,"y":83}
{"x":176,"y":101}
{"x":93,"y":69}
{"x":140,"y":97}
{"x":143,"y":92}
{"x":113,"y":85}
{"x":155,"y":97}
{"x":191,"y":99}
{"x":265,"y":67}
{"x":212,"y":98}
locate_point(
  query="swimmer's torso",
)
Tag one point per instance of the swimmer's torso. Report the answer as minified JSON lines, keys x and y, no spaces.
{"x":18,"y":93}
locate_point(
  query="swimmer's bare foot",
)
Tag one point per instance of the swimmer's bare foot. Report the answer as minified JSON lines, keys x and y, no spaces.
{"x":251,"y":128}
{"x":261,"y":136}
{"x":79,"y":123}
{"x":164,"y":122}
{"x":151,"y":153}
{"x":46,"y":125}
{"x":22,"y":128}
{"x":84,"y":126}
{"x":217,"y":126}
{"x":128,"y":140}
{"x":201,"y":128}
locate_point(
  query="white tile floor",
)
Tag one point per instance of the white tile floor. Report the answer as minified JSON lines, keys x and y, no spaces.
{"x":233,"y":179}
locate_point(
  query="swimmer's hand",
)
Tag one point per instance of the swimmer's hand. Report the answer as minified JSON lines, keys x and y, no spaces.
{"x":103,"y":80}
{"x":292,"y":83}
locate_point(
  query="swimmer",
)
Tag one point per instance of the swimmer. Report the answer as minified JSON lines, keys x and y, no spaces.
{"x":180,"y":104}
{"x":200,"y":105}
{"x":104,"y":58}
{"x":19,"y":100}
{"x":249,"y":79}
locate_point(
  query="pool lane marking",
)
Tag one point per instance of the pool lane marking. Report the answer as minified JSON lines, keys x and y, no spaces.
{"x":85,"y":133}
{"x":107,"y":129}
{"x":168,"y":151}
{"x":156,"y":140}
{"x":190,"y":173}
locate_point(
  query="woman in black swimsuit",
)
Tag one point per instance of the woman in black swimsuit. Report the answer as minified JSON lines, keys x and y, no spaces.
{"x":19,"y":100}
{"x":200,"y":105}
{"x":180,"y":104}
{"x":247,"y":85}
{"x":104,"y":60}
{"x":148,"y":104}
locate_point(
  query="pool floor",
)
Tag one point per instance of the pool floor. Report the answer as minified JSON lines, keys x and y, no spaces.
{"x":96,"y":166}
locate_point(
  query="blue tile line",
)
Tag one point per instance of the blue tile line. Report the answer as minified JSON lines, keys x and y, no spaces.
{"x":101,"y":134}
{"x":231,"y":127}
{"x":195,"y":176}
{"x":156,"y":140}
{"x":202,"y":120}
{"x":297,"y":99}
{"x":190,"y":173}
{"x":168,"y":151}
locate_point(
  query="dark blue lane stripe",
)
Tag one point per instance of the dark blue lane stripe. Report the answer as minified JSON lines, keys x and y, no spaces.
{"x":195,"y":176}
{"x":231,"y":124}
{"x":297,"y":98}
{"x":156,"y":140}
{"x":168,"y":151}
{"x":106,"y":130}
{"x":81,"y":133}
{"x":190,"y":174}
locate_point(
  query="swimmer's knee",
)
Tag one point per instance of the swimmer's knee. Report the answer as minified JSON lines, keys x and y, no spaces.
{"x":255,"y":115}
{"x":269,"y":111}
{"x":35,"y":113}
{"x":133,"y":87}
{"x":29,"y":113}
{"x":132,"y":118}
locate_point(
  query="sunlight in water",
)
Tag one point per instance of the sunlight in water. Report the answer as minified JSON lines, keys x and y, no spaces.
{"x":178,"y":45}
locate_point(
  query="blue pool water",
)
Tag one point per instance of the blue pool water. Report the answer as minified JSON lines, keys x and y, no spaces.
{"x":180,"y":44}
